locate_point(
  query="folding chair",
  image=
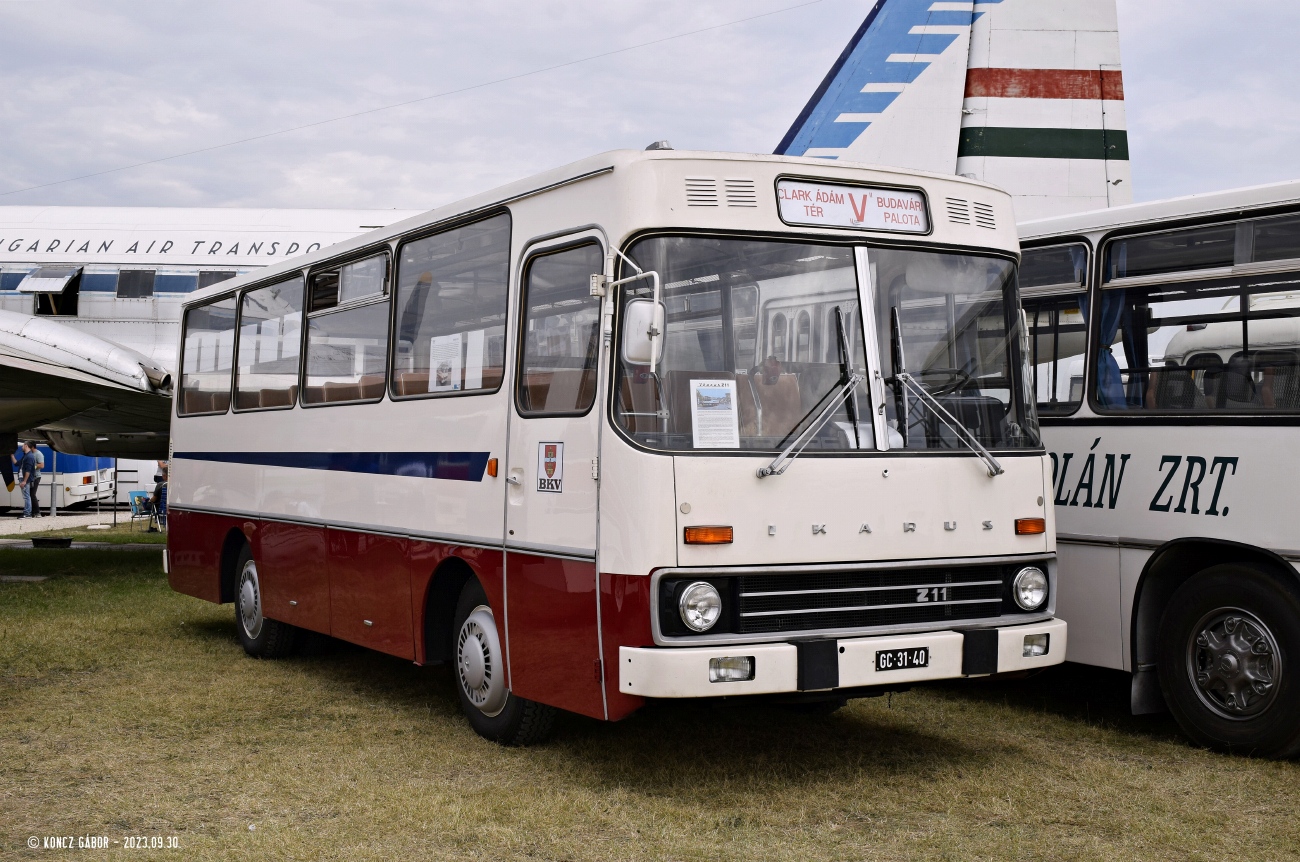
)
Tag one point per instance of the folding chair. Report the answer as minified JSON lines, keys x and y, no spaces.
{"x":141,"y":507}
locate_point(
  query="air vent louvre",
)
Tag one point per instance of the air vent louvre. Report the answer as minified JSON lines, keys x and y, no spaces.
{"x":740,"y":192}
{"x":701,"y":192}
{"x":984,"y":216}
{"x":958,"y":211}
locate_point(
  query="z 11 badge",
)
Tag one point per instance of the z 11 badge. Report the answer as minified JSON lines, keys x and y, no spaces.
{"x":550,"y":467}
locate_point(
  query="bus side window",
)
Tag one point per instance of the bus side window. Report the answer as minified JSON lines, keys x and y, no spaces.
{"x":557,"y":370}
{"x":270,"y":331}
{"x":1056,"y":351}
{"x":1229,"y":345}
{"x":452,"y":291}
{"x":208,"y":357}
{"x":347,"y":333}
{"x":779,"y":337}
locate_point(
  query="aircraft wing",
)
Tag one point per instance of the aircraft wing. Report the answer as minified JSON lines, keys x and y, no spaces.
{"x":83,"y":394}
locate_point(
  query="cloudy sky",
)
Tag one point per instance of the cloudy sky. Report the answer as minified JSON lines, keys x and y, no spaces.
{"x":87,"y":87}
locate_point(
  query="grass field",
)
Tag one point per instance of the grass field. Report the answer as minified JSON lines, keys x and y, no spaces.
{"x":126,"y":709}
{"x":124,"y":533}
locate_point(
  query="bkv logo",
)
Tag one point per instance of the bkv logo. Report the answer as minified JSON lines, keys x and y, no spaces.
{"x":550,"y":467}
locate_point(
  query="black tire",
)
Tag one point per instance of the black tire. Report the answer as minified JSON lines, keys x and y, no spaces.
{"x":261,"y":637}
{"x":493,"y":711}
{"x":1229,"y":660}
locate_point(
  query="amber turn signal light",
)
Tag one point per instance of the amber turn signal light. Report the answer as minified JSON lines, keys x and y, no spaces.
{"x":708,"y":535}
{"x":1030,"y":526}
{"x":492,"y":467}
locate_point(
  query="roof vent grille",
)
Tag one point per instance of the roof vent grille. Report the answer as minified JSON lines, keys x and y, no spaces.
{"x":740,"y":192}
{"x":984,"y":216}
{"x":701,"y":192}
{"x":958,"y":211}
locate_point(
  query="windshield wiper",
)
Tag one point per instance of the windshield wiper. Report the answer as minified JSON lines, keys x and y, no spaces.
{"x":902,"y":382}
{"x":838,"y":396}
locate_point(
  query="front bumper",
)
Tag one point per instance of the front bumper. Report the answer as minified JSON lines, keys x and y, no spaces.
{"x":684,"y":671}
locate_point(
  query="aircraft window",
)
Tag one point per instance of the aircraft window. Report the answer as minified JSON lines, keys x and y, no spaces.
{"x":57,"y":290}
{"x":452,"y":291}
{"x":270,"y":332}
{"x":175,"y":282}
{"x":207,"y":357}
{"x":347,"y":335}
{"x":561,"y":327}
{"x":211,"y":277}
{"x":1229,"y":345}
{"x":135,"y":284}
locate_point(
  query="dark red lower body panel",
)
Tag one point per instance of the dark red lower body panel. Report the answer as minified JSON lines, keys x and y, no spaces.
{"x":370,"y":591}
{"x":624,"y":621}
{"x":291,"y":563}
{"x":194,"y":543}
{"x":334,"y":581}
{"x":554,"y":652}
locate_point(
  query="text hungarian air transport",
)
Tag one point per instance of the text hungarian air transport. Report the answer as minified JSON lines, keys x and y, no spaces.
{"x":652,"y":425}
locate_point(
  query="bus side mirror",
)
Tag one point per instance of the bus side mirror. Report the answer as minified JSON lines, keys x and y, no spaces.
{"x":643,"y":332}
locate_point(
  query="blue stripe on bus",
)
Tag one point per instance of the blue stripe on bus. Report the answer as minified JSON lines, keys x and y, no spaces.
{"x":457,"y":466}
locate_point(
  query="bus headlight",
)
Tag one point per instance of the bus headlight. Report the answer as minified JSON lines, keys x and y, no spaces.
{"x":1029,"y":589}
{"x":700,"y":606}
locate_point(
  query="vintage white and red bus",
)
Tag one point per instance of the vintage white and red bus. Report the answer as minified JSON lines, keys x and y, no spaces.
{"x":653,"y":425}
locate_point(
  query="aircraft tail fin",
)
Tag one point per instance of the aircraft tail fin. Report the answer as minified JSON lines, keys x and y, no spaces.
{"x":1020,"y":93}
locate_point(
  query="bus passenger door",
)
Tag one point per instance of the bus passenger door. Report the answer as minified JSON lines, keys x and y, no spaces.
{"x":552,"y":640}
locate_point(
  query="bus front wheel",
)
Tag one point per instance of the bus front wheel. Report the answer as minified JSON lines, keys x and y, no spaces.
{"x":1229,"y":660}
{"x":261,"y":637}
{"x":493,"y":710}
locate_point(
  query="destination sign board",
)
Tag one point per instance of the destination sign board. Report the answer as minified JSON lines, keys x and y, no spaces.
{"x":861,"y":207}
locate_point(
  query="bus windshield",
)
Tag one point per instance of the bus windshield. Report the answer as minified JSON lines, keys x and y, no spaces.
{"x":753,"y":351}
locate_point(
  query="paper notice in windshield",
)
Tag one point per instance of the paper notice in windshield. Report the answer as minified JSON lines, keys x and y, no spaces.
{"x":444,"y":362}
{"x":714,"y":420}
{"x":862,"y":207}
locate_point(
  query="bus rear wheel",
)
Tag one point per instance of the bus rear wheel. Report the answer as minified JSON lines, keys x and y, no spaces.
{"x":261,"y":637}
{"x":493,"y":710}
{"x":1229,"y":660}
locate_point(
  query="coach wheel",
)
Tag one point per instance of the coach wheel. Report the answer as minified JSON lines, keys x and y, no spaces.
{"x":1229,"y":660}
{"x":261,"y":637}
{"x":493,"y":711}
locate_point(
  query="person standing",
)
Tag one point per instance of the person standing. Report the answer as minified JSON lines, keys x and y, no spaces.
{"x":26,"y":466}
{"x":38,"y":464}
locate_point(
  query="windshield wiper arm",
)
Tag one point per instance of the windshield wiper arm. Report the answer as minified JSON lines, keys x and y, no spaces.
{"x":902,"y":381}
{"x":837,"y":397}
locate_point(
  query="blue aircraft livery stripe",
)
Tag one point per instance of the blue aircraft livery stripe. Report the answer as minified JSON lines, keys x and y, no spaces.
{"x":455,"y":466}
{"x":886,"y":32}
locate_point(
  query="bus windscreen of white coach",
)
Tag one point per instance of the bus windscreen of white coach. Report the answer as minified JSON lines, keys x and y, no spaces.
{"x":752,"y":347}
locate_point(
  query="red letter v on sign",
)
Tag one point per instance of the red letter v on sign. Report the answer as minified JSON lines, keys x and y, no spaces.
{"x":859,"y":214}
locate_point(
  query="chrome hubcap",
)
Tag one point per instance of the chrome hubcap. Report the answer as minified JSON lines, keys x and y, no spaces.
{"x":250,"y":601}
{"x":1233,"y":659}
{"x":478,"y":662}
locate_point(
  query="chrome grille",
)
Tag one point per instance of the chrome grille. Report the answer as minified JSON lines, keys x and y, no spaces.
{"x":853,"y":599}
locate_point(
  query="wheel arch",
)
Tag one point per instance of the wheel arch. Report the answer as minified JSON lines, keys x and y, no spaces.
{"x":1168,"y":568}
{"x":440,"y":597}
{"x":230,"y":548}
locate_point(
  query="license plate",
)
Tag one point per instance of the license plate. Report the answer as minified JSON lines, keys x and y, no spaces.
{"x":902,"y":659}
